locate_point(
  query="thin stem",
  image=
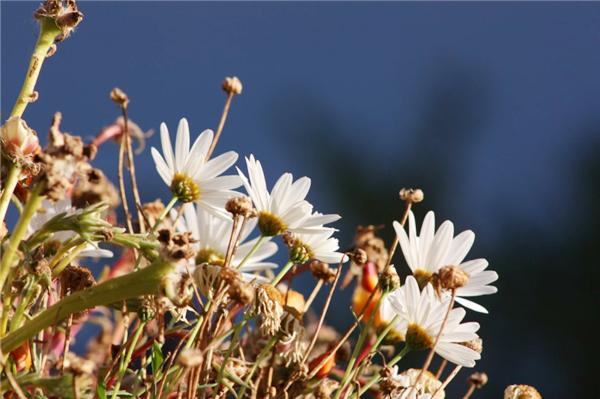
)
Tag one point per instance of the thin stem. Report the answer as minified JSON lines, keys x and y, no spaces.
{"x":146,"y":281}
{"x":437,"y":339}
{"x":447,"y":380}
{"x":392,"y":362}
{"x":127,"y":359}
{"x":282,"y":272}
{"x":164,"y":213}
{"x":10,"y":183}
{"x":313,"y":295}
{"x":252,"y":251}
{"x":48,"y":33}
{"x":221,"y":125}
{"x":264,"y":352}
{"x":19,"y":232}
{"x":131,"y":166}
{"x":469,"y":391}
{"x":122,"y":192}
{"x":358,"y":347}
{"x":438,"y":374}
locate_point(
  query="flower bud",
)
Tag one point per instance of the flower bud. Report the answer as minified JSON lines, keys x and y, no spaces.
{"x":326,"y":367}
{"x":119,"y":97}
{"x":232,"y":85}
{"x":390,"y":279}
{"x":369,"y":276}
{"x":18,"y":139}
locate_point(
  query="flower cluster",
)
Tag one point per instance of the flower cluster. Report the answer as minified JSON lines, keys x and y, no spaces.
{"x":203,"y":299}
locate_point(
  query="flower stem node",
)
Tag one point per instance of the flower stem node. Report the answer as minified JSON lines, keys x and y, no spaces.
{"x":412,"y":195}
{"x":232,"y":85}
{"x":240,"y":206}
{"x":185,"y":188}
{"x":521,"y":392}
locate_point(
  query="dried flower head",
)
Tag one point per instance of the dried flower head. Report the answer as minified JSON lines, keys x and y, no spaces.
{"x":475,"y":344}
{"x":64,"y":14}
{"x":412,"y":195}
{"x":374,"y":246}
{"x":406,"y":385}
{"x":189,"y":357}
{"x":240,"y":206}
{"x":119,"y":97}
{"x":232,"y":85}
{"x":176,"y":246}
{"x":449,"y":278}
{"x":19,"y":141}
{"x":390,"y":279}
{"x":325,"y":388}
{"x":521,"y":392}
{"x":94,"y":187}
{"x":238,"y":290}
{"x":358,"y":256}
{"x":76,"y":278}
{"x":478,"y":379}
{"x":322,"y":271}
{"x":269,"y":308}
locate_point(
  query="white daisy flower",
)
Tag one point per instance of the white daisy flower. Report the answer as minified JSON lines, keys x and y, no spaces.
{"x":284,"y":208}
{"x":213,"y":235}
{"x":431,"y":250}
{"x":320,"y":246}
{"x":50,"y":209}
{"x":409,"y":389}
{"x":189,"y":175}
{"x":421,"y":314}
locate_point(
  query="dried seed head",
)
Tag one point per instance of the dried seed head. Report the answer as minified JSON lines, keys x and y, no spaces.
{"x":76,"y":278}
{"x":189,"y":357}
{"x":521,"y":392}
{"x":412,"y":195}
{"x":322,"y":271}
{"x":325,"y":388}
{"x":478,"y":379}
{"x":238,"y":290}
{"x":240,"y":206}
{"x":358,"y":256}
{"x":232,"y":85}
{"x":269,"y":308}
{"x":390,"y":279}
{"x":427,"y":385}
{"x":64,"y":14}
{"x":476,"y":345}
{"x":373,"y":246}
{"x":450,"y":278}
{"x":94,"y":188}
{"x":119,"y":97}
{"x":176,"y":246}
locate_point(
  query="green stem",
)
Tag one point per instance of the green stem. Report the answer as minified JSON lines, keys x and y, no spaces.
{"x":286,"y":268}
{"x":383,"y":334}
{"x":10,"y":183}
{"x":164,"y":213}
{"x":48,"y":33}
{"x":28,"y":296}
{"x":127,"y":359}
{"x":359,"y":344}
{"x":264,"y":352}
{"x":8,"y":256}
{"x":392,"y":362}
{"x":253,"y":250}
{"x":146,"y":281}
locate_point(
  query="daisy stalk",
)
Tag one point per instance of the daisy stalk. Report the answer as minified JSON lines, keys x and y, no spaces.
{"x":147,"y":281}
{"x":48,"y":34}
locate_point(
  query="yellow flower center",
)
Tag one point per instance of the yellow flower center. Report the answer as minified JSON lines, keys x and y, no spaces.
{"x":423,"y":277}
{"x":417,"y":338}
{"x":210,"y":256}
{"x":270,"y":225}
{"x":185,"y":188}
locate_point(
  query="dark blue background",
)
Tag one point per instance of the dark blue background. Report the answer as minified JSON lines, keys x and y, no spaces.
{"x":491,"y":108}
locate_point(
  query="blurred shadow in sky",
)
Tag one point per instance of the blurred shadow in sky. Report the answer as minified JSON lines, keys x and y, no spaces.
{"x":492,"y":109}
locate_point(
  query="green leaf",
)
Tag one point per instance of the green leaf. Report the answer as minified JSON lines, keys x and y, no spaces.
{"x":101,"y":390}
{"x":157,"y":358}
